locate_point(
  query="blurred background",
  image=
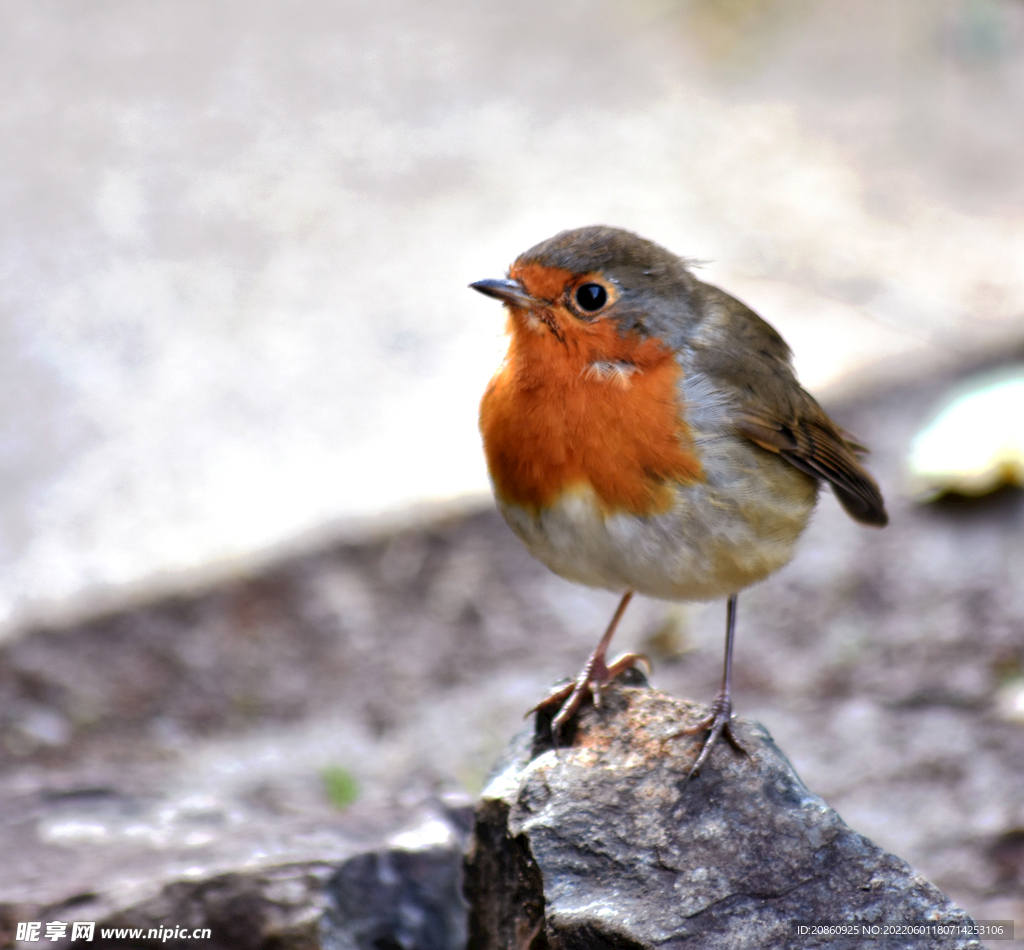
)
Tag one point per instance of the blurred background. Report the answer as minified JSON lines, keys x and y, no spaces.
{"x":236,"y":238}
{"x":246,"y":546}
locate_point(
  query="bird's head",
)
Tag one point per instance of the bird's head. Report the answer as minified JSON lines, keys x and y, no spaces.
{"x":579,"y":284}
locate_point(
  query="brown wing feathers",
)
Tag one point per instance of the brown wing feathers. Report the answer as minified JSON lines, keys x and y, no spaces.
{"x":816,"y":446}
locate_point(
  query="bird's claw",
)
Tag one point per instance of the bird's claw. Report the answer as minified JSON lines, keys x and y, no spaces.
{"x":717,"y":723}
{"x":592,"y":679}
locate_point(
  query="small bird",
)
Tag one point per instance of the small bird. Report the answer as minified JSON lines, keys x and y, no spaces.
{"x":646,"y":433}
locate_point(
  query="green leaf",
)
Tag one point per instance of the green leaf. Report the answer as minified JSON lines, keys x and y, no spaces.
{"x":341,"y":786}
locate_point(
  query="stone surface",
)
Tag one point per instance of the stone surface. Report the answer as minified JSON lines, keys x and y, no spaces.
{"x":397,"y":900}
{"x":605,"y":845}
{"x":403,"y":893}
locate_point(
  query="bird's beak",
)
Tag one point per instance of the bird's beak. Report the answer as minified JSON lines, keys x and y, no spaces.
{"x":508,"y":291}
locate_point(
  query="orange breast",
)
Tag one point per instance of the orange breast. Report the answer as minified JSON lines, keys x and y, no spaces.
{"x":550,"y":426}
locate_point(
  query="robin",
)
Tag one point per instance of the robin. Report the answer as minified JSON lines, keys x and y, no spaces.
{"x":646,"y":432}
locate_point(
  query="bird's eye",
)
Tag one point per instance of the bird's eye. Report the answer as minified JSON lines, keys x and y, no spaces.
{"x":591,"y":297}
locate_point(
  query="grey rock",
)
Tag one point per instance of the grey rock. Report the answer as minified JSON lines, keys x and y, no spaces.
{"x":397,"y":900}
{"x":404,"y":893}
{"x":278,"y":907}
{"x":603,"y":844}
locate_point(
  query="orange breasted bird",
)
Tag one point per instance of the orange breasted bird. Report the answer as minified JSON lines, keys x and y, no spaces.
{"x":646,"y":432}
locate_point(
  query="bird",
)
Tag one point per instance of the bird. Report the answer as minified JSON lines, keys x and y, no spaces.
{"x":646,"y":433}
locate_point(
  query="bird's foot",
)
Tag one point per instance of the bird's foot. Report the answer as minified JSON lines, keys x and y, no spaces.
{"x":716,"y":724}
{"x":592,"y":679}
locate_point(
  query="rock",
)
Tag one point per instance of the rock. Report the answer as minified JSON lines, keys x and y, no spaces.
{"x":605,"y":845}
{"x":402,"y":894}
{"x":397,"y":900}
{"x":273,"y":907}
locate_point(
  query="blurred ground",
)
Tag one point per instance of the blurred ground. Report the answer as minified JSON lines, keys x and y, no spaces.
{"x":210,"y":732}
{"x":235,"y":237}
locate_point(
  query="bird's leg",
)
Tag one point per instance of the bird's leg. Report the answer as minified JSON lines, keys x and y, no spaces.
{"x":719,"y":721}
{"x":595,"y":674}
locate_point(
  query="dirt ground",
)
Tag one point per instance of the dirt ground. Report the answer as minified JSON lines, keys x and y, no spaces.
{"x":211,"y":729}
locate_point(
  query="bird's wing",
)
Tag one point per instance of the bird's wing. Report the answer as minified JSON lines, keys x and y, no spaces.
{"x":743,"y":355}
{"x":811,"y":442}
